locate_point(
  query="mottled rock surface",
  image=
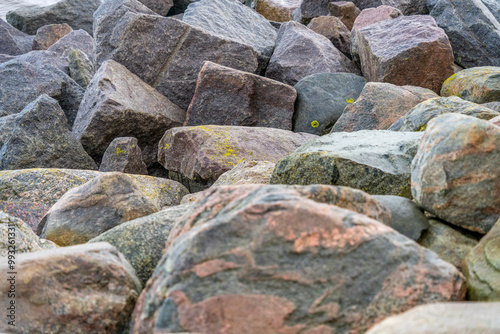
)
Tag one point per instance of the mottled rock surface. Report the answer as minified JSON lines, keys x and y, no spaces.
{"x":247,"y":172}
{"x":12,"y":41}
{"x":332,"y":28}
{"x":492,"y":105}
{"x":75,"y":40}
{"x":49,"y":34}
{"x":123,"y":155}
{"x":495,"y":121}
{"x":158,"y":6}
{"x":81,"y":68}
{"x":346,"y":11}
{"x":478,"y":84}
{"x":277,"y":10}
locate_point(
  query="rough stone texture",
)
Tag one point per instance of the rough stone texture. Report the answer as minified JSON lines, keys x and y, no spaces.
{"x":164,"y":52}
{"x":29,"y":193}
{"x":12,"y":41}
{"x":301,"y":52}
{"x":419,"y":116}
{"x":225,"y":96}
{"x":408,"y":50}
{"x":443,"y":318}
{"x":492,"y":105}
{"x":346,"y":11}
{"x":495,"y":121}
{"x":322,"y":98}
{"x":482,"y":267}
{"x":119,"y":104}
{"x":25,"y":240}
{"x":85,"y":212}
{"x":379,"y":106}
{"x":478,"y":84}
{"x":332,"y":28}
{"x":63,"y":289}
{"x":142,"y":240}
{"x":22,"y":82}
{"x":245,"y":261}
{"x":452,"y":244}
{"x":75,"y":40}
{"x":473,"y":30}
{"x":189,"y":198}
{"x":179,"y":7}
{"x":49,"y":34}
{"x":81,"y":68}
{"x":203,"y":153}
{"x":406,"y":217}
{"x":458,"y":156}
{"x":42,"y":58}
{"x":377,"y":162}
{"x":39,"y":137}
{"x":277,"y":10}
{"x":247,"y":172}
{"x":123,"y":155}
{"x":158,"y":6}
{"x":76,"y":13}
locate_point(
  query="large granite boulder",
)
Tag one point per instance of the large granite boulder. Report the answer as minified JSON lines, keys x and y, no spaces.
{"x":244,"y":261}
{"x":77,"y":14}
{"x":332,"y":28}
{"x":301,"y":52}
{"x":117,"y":103}
{"x":80,"y":289}
{"x":123,"y":155}
{"x":377,"y":162}
{"x":12,"y":41}
{"x":478,"y":84}
{"x":458,"y":156}
{"x":277,"y":10}
{"x":47,"y":35}
{"x":408,"y":50}
{"x":75,"y":40}
{"x":247,"y":172}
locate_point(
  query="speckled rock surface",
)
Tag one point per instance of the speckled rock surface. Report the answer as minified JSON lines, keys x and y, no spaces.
{"x":346,"y":11}
{"x":277,"y":10}
{"x":12,"y":41}
{"x":495,"y":120}
{"x":49,"y":34}
{"x":75,"y":40}
{"x":123,"y":155}
{"x":247,"y":172}
{"x":81,"y":68}
{"x":335,"y":30}
{"x":477,"y":84}
{"x":158,"y":6}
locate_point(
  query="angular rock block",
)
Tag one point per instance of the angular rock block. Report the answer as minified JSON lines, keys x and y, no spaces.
{"x":123,"y":155}
{"x":49,"y":34}
{"x":346,"y":11}
{"x":332,"y":28}
{"x":81,"y":68}
{"x":161,"y":7}
{"x":12,"y":41}
{"x":75,"y":40}
{"x":277,"y":10}
{"x":478,"y":84}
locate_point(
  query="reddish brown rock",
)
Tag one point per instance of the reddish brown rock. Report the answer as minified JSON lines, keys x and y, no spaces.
{"x":123,"y":155}
{"x":346,"y":11}
{"x":81,"y":289}
{"x":277,"y":10}
{"x":225,"y":96}
{"x":49,"y":34}
{"x":408,"y":50}
{"x":332,"y":28}
{"x":244,"y":261}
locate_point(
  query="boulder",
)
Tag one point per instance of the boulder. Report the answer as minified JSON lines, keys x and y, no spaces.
{"x":332,"y":28}
{"x":473,"y":30}
{"x":77,"y":14}
{"x":203,"y":153}
{"x":49,"y":34}
{"x":492,"y":105}
{"x":117,"y":103}
{"x":247,"y":172}
{"x":164,"y":52}
{"x":244,"y":261}
{"x":419,"y":116}
{"x":123,"y":155}
{"x":42,"y":58}
{"x":346,"y":11}
{"x":380,"y":105}
{"x":12,"y":41}
{"x":38,"y":137}
{"x":161,"y":7}
{"x":80,"y":289}
{"x":377,"y":162}
{"x":75,"y":40}
{"x":301,"y":52}
{"x":277,"y":10}
{"x":321,"y":99}
{"x":408,"y":50}
{"x":495,"y":121}
{"x":111,"y":199}
{"x":225,"y":96}
{"x":458,"y":156}
{"x":81,"y":68}
{"x":478,"y":84}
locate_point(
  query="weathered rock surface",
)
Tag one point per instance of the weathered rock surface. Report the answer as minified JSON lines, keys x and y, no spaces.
{"x":105,"y":202}
{"x":301,"y":52}
{"x":380,"y":105}
{"x":443,"y":318}
{"x":42,"y":58}
{"x":495,"y":121}
{"x":492,"y":105}
{"x":81,"y":68}
{"x":455,"y":172}
{"x":417,"y":118}
{"x":346,"y":11}
{"x":247,"y":172}
{"x":203,"y":153}
{"x":77,"y":14}
{"x":322,"y":98}
{"x":225,"y":96}
{"x":49,"y":34}
{"x":142,"y":240}
{"x":75,"y":40}
{"x":158,"y":6}
{"x":123,"y":155}
{"x":478,"y":84}
{"x":277,"y":10}
{"x":119,"y":104}
{"x":164,"y":52}
{"x":377,"y":162}
{"x":408,"y":50}
{"x":332,"y":28}
{"x":245,"y":261}
{"x":38,"y":137}
{"x":88,"y":282}
{"x":12,"y":41}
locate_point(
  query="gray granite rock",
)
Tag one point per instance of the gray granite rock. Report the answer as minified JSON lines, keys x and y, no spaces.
{"x":161,"y":7}
{"x":123,"y":155}
{"x":12,"y":41}
{"x":75,"y":40}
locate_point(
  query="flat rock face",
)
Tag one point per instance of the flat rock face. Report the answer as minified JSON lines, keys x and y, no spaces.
{"x":49,"y":34}
{"x":123,"y":155}
{"x":346,"y":11}
{"x":377,"y":162}
{"x":42,"y":58}
{"x":75,"y":40}
{"x":38,"y":137}
{"x":474,"y":31}
{"x":203,"y":153}
{"x":301,"y":52}
{"x":277,"y":10}
{"x":322,"y":98}
{"x":458,"y":156}
{"x":380,"y":105}
{"x":77,"y":14}
{"x":443,"y":318}
{"x":482,"y":267}
{"x":117,"y":103}
{"x":478,"y":84}
{"x":81,"y":68}
{"x":225,"y":96}
{"x":419,"y":116}
{"x":87,"y":282}
{"x":12,"y":41}
{"x":408,"y":50}
{"x":247,"y":172}
{"x":246,"y":262}
{"x":158,"y":6}
{"x":332,"y":28}
{"x":165,"y":53}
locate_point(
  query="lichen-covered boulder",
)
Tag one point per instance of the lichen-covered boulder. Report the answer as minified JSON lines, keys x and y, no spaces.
{"x":81,"y":68}
{"x":477,"y":84}
{"x":123,"y":155}
{"x":49,"y":34}
{"x":247,"y":172}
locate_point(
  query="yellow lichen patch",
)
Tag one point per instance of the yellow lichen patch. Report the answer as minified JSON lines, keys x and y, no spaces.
{"x":349,"y":100}
{"x":314,"y":124}
{"x":119,"y":151}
